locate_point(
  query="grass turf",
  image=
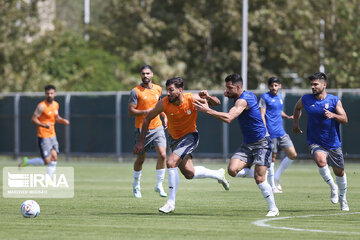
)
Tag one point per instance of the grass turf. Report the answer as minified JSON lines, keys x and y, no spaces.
{"x":104,"y":207}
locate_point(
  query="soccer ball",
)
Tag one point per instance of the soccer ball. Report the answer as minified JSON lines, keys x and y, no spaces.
{"x":30,"y":209}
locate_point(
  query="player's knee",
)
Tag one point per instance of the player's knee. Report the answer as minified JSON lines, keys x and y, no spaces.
{"x":170,"y":163}
{"x":47,"y":160}
{"x":293,"y":156}
{"x":189,"y":175}
{"x":232,"y":172}
{"x":259,"y":179}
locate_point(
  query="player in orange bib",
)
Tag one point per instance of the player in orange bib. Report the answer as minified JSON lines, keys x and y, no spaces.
{"x":142,"y":99}
{"x":45,"y":116}
{"x":184,"y":138}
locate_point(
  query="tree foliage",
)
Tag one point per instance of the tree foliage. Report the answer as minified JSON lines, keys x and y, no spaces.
{"x":199,"y":40}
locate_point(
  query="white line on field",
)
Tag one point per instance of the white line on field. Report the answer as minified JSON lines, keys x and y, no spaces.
{"x":263,"y":223}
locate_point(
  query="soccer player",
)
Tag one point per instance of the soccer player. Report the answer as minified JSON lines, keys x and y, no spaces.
{"x":325,"y":113}
{"x":143,"y":98}
{"x":271,"y":105}
{"x":45,"y":116}
{"x":256,"y":149}
{"x":183,"y":137}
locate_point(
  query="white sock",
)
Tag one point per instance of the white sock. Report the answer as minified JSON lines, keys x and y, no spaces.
{"x":268,"y":194}
{"x":173,"y":178}
{"x":35,"y":161}
{"x":202,"y":172}
{"x":137,"y":177}
{"x":271,"y":175}
{"x":285,"y":163}
{"x":160,"y":175}
{"x":246,"y":173}
{"x":51,"y":168}
{"x":342,"y":183}
{"x":326,"y":175}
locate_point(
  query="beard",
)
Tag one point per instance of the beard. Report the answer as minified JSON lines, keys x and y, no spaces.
{"x":173,"y":99}
{"x":145,"y":80}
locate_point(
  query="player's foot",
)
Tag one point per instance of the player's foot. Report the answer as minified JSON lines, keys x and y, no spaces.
{"x":137,"y":192}
{"x":277,"y":184}
{"x":167,"y":208}
{"x":344,"y":205}
{"x":276,"y":190}
{"x":334,"y":197}
{"x":161,"y":191}
{"x":273,"y":213}
{"x":24,"y":163}
{"x":223,"y":180}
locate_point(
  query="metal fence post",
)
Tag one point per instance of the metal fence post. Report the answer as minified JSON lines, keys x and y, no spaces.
{"x":67,"y":128}
{"x":17,"y":126}
{"x":118,"y":125}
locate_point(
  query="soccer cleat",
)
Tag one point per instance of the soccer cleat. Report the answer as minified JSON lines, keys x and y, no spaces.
{"x":273,"y":213}
{"x":277,"y":184}
{"x":161,"y":191}
{"x":276,"y":190}
{"x":24,"y":163}
{"x":137,"y":192}
{"x":334,"y":197}
{"x":344,"y":205}
{"x":167,"y":208}
{"x":223,"y":180}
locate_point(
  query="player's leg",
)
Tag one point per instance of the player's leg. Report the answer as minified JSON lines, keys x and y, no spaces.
{"x":160,"y":170}
{"x":173,"y":180}
{"x":140,"y":158}
{"x":271,"y":173}
{"x":336,"y":160}
{"x":239,"y":165}
{"x":195,"y":172}
{"x":51,"y":162}
{"x":320,"y":158}
{"x":38,"y":161}
{"x":287,"y":146}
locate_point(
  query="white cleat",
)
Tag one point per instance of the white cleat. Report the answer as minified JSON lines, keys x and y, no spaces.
{"x":167,"y":208}
{"x":277,"y":184}
{"x":276,"y":190}
{"x":334,"y":197}
{"x":223,"y":180}
{"x":273,"y":213}
{"x":161,"y":191}
{"x":344,"y":205}
{"x":137,"y":192}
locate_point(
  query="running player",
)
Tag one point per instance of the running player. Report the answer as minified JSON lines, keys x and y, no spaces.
{"x":45,"y":116}
{"x":325,"y":113}
{"x":183,"y":137}
{"x":143,"y":98}
{"x":271,"y":108}
{"x":256,"y":148}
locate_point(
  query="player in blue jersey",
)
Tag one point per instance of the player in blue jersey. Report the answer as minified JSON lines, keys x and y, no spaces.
{"x":271,"y":108}
{"x":325,"y":113}
{"x":256,"y":149}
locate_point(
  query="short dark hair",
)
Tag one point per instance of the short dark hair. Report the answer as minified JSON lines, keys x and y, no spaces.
{"x":177,"y":81}
{"x":146,"y":67}
{"x":273,"y":80}
{"x":48,"y":87}
{"x":318,"y":75}
{"x":234,"y":78}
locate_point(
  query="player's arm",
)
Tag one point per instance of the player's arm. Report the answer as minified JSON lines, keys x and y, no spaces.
{"x":211,"y":100}
{"x":262,"y":106}
{"x":284,"y":115}
{"x":340,"y":114}
{"x":35,"y":117}
{"x":134,"y":112}
{"x":62,"y":120}
{"x":297,"y":114}
{"x":235,"y":111}
{"x":165,"y":119}
{"x":159,"y":108}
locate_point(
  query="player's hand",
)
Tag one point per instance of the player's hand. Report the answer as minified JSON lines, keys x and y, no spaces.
{"x":201,"y":106}
{"x":296,"y":129}
{"x":328,"y":114}
{"x":66,"y":122}
{"x":291,"y":117}
{"x":138,"y":148}
{"x":165,"y":123}
{"x":204,"y":94}
{"x":47,"y":125}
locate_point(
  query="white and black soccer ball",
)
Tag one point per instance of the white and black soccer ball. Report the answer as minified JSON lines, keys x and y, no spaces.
{"x":30,"y":209}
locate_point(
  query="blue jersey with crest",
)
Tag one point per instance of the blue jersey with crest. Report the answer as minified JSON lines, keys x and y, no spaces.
{"x":250,"y":121}
{"x":320,"y":130}
{"x":274,"y":106}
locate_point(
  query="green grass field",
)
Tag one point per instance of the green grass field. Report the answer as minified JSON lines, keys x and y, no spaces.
{"x":104,"y":208}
